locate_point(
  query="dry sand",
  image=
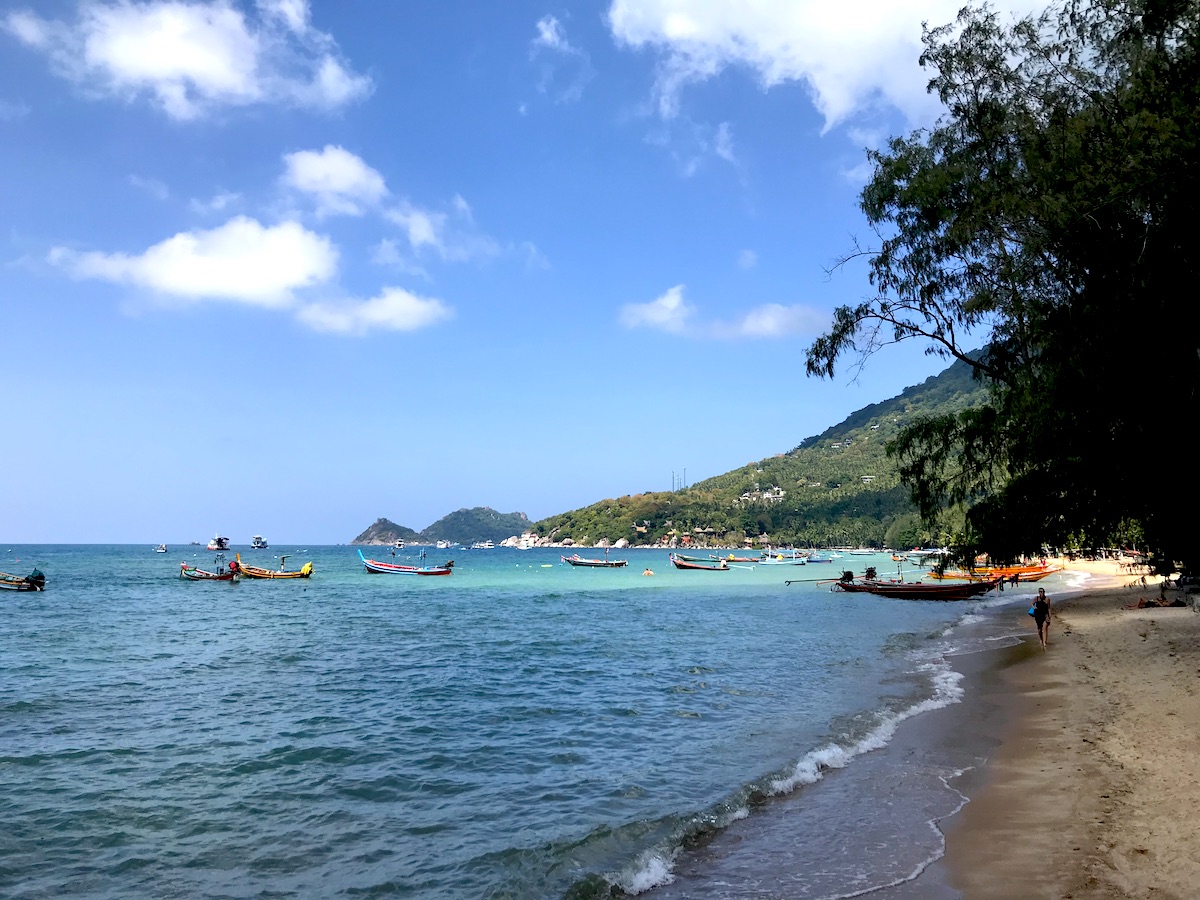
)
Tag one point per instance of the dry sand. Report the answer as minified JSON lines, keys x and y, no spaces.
{"x":1095,"y":791}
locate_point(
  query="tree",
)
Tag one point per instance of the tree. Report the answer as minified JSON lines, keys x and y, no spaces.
{"x":1047,"y":217}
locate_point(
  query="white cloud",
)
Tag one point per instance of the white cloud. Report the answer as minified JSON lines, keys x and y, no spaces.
{"x":451,"y":235}
{"x":747,"y":259}
{"x":151,"y":186}
{"x":192,"y":56}
{"x":850,"y":58}
{"x":666,"y":313}
{"x":218,"y":202}
{"x":393,"y":310}
{"x":293,"y":13}
{"x":550,"y":34}
{"x":672,"y":314}
{"x":563,"y":69}
{"x":724,"y":143}
{"x":241,"y":261}
{"x":773,"y":320}
{"x":340,"y":181}
{"x":10,"y":111}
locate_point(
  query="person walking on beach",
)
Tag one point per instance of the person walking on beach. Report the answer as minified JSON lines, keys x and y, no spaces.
{"x":1041,"y":616}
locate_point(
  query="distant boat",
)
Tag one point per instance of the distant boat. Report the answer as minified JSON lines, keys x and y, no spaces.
{"x":821,"y":557}
{"x":398,"y":545}
{"x":708,"y":566}
{"x":738,"y":559}
{"x":257,"y":572}
{"x":161,"y":548}
{"x":444,"y":545}
{"x":791,"y":558}
{"x":606,"y":563}
{"x":385,"y":568}
{"x":218,"y":543}
{"x":258,"y":542}
{"x":483,"y":545}
{"x":34,"y":581}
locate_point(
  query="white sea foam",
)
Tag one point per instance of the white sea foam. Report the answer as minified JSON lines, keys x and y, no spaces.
{"x":651,"y":870}
{"x":947,"y":689}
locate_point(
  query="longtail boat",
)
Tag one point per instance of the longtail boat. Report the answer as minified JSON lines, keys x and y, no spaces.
{"x":576,"y":560}
{"x":1010,"y":574}
{"x":256,"y":572}
{"x":916,"y":590}
{"x":195,"y":573}
{"x":708,"y":566}
{"x":791,"y":558}
{"x":34,"y":581}
{"x":385,"y":568}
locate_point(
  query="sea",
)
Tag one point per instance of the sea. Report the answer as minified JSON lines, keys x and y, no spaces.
{"x":518,"y":729}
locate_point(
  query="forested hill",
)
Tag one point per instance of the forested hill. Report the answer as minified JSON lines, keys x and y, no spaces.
{"x":464,"y":526}
{"x":836,"y":488}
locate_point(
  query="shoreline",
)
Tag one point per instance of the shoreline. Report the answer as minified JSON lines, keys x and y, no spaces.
{"x":1093,"y":786}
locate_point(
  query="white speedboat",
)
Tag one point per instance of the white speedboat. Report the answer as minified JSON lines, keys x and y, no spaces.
{"x":399,"y":545}
{"x":161,"y":548}
{"x":258,"y":542}
{"x":218,"y":543}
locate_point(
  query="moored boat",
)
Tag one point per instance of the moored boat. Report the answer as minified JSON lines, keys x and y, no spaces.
{"x":34,"y":581}
{"x":738,"y":559}
{"x":790,"y":558}
{"x":218,"y":543}
{"x":258,"y":542}
{"x":606,"y":563}
{"x":195,"y":573}
{"x":915,"y":590}
{"x":703,"y":566}
{"x":1010,"y":574}
{"x":161,"y":548}
{"x":385,"y":568}
{"x":258,"y":572}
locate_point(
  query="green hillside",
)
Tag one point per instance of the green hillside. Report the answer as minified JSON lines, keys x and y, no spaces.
{"x":464,"y":526}
{"x":836,"y":488}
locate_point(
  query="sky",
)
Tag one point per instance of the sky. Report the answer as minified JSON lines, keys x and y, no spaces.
{"x":284,"y":267}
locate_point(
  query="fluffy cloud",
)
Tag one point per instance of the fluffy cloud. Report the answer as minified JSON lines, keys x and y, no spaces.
{"x":850,"y":58}
{"x":666,"y":313}
{"x":393,"y":310}
{"x":241,"y":261}
{"x":340,"y":181}
{"x":194,"y":56}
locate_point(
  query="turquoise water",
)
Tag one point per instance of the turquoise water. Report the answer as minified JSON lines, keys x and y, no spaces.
{"x":518,"y":729}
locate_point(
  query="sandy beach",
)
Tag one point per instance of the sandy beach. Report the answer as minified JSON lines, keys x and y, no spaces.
{"x":1094,"y":788}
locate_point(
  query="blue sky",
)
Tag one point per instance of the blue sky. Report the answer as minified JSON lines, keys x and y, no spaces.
{"x":283,"y":267}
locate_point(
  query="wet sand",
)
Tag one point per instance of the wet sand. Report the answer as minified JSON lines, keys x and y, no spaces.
{"x":1094,"y":787}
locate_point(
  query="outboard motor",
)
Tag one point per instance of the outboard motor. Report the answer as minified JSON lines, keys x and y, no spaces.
{"x":870,"y":575}
{"x":847,"y":577}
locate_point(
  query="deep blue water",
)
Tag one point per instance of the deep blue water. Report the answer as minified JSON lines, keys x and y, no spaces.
{"x":519,"y":729}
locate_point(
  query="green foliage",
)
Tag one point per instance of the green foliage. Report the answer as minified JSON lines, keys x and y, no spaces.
{"x":385,"y":531}
{"x":480,"y":523}
{"x":837,"y":488}
{"x":1049,"y":210}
